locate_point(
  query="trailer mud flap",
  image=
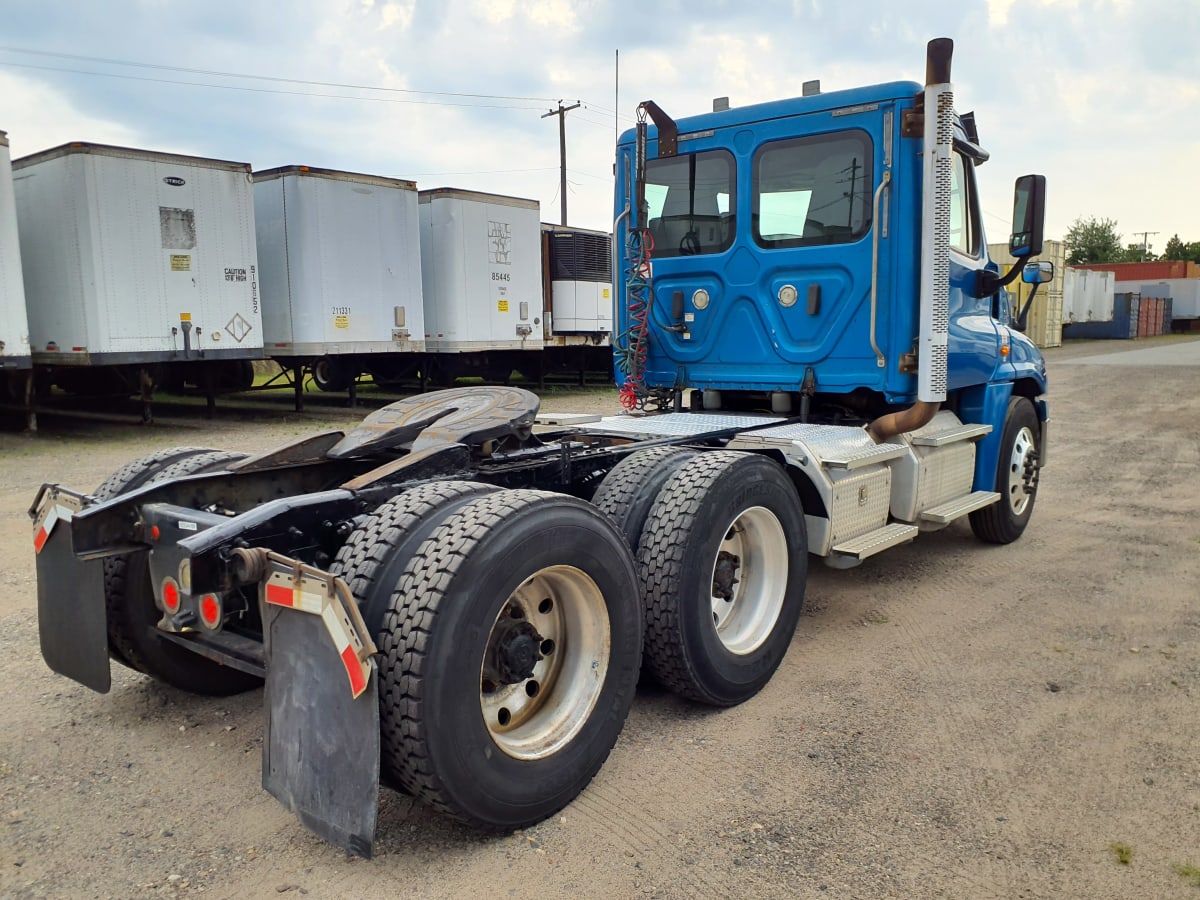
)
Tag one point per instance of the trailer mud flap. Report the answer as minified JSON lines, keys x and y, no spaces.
{"x":321,"y":747}
{"x":72,"y":623}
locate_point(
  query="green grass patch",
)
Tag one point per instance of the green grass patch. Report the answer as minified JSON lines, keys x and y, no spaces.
{"x":1188,"y":873}
{"x":1123,"y":853}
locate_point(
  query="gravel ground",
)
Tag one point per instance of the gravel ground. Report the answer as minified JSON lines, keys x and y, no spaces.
{"x":953,"y":719}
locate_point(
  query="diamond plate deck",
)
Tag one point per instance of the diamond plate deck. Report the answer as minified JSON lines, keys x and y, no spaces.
{"x":675,"y":424}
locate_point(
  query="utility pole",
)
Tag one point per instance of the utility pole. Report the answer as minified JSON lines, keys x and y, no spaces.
{"x":561,"y":112}
{"x":1145,"y":246}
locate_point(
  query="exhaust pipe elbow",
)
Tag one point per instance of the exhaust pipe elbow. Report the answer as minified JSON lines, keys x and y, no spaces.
{"x":937,"y":61}
{"x":916,"y":416}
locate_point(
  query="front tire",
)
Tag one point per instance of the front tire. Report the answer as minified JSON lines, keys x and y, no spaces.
{"x":510,"y":658}
{"x":1017,"y":475}
{"x":723,"y":561}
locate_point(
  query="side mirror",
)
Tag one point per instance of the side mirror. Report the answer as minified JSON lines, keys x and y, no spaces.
{"x":1029,"y":214}
{"x":1037,"y":272}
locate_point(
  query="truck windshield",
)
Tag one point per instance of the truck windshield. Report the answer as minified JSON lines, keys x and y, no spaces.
{"x":813,"y":190}
{"x":691,"y":202}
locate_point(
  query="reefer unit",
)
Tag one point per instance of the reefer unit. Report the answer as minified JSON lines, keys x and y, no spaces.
{"x":578,"y":280}
{"x":340,"y":262}
{"x":133,"y":256}
{"x":481,"y":271}
{"x":14,"y":326}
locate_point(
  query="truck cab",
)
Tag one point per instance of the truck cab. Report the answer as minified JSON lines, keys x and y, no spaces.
{"x":774,"y":257}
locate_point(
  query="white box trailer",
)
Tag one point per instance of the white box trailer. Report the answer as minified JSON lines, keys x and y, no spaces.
{"x":14,"y":324}
{"x":133,"y":257}
{"x":1087,"y":296}
{"x":481,"y":271}
{"x":340,"y":266}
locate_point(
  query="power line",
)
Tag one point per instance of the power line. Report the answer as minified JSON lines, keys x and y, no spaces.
{"x":258,"y":90}
{"x":221,"y":74}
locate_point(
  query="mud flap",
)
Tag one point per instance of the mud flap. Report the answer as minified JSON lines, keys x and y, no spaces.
{"x":72,"y":623}
{"x":321,"y":747}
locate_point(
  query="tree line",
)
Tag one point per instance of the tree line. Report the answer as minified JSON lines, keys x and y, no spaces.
{"x":1092,"y":240}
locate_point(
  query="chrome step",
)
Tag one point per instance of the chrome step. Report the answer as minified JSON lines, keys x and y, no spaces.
{"x":951,"y":435}
{"x":948,"y":512}
{"x":852,"y":552}
{"x":833,"y":446}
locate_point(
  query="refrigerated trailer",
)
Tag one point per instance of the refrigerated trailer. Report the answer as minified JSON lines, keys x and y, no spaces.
{"x":577,"y":284}
{"x":340,"y":263}
{"x":15,"y":360}
{"x":139,"y":268}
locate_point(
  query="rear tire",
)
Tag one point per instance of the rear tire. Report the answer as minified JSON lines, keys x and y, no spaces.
{"x":129,"y":593}
{"x":628,"y":491}
{"x":1016,"y":477}
{"x":377,"y":552}
{"x":510,"y":658}
{"x":723,"y":561}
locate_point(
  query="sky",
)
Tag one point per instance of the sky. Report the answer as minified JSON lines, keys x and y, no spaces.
{"x":1101,"y":96}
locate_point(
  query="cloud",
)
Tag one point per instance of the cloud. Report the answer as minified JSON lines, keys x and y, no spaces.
{"x":37,"y":116}
{"x":1101,"y":95}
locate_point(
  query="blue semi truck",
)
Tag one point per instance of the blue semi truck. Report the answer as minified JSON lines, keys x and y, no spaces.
{"x":457,"y":597}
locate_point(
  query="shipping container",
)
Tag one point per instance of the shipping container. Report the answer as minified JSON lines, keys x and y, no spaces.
{"x":1185,"y":292}
{"x":1147,"y":271}
{"x":14,"y":325}
{"x":481,"y":271}
{"x":340,"y":270}
{"x":1045,"y":319}
{"x":1122,"y":323}
{"x":133,"y":257}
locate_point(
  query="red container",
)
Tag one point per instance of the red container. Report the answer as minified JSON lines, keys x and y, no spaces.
{"x":1147,"y":271}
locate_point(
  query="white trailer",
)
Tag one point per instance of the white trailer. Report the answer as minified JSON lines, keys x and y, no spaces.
{"x":1087,"y":295}
{"x":339,"y":256}
{"x":14,"y":325}
{"x":140,"y":262}
{"x":481,"y":272}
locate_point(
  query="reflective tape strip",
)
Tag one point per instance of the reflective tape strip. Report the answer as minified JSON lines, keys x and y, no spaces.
{"x":280,"y":589}
{"x":344,"y":639}
{"x":55,"y":512}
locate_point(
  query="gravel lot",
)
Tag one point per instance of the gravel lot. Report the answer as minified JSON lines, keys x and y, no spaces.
{"x":953,"y":719}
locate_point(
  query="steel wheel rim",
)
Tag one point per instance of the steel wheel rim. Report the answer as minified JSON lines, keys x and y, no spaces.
{"x":535,"y":717}
{"x":1019,"y":495}
{"x":746,"y":619}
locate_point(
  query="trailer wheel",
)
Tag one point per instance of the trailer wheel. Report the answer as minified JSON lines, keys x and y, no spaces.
{"x":723,"y":562}
{"x":132,"y":613}
{"x":332,"y":374}
{"x":1016,"y":478}
{"x":511,"y":656}
{"x":376,"y":553}
{"x":629,"y":489}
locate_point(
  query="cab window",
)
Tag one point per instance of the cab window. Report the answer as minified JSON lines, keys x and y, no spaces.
{"x":691,"y":203}
{"x":964,"y":208}
{"x":812,"y":190}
